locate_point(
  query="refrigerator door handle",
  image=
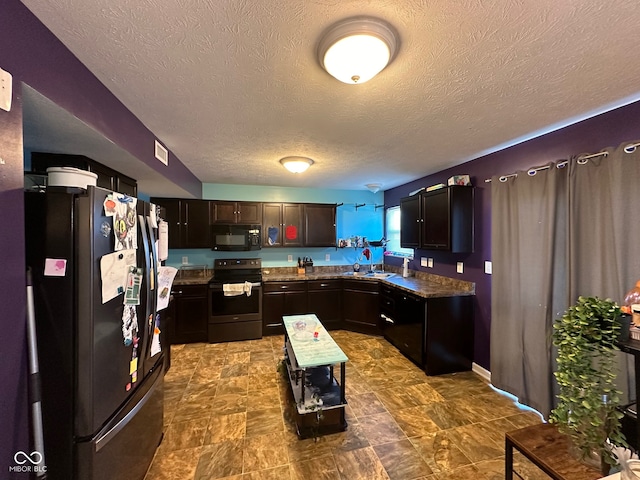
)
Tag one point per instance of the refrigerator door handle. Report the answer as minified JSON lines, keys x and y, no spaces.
{"x":154,"y":260}
{"x":149,"y":270}
{"x":113,"y":431}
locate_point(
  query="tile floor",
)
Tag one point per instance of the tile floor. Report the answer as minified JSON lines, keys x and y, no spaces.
{"x":227,"y":416}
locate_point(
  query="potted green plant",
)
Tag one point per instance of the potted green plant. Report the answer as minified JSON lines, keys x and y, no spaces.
{"x":585,"y":337}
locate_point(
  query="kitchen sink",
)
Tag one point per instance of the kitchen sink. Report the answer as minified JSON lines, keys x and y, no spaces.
{"x":379,"y":274}
{"x":369,"y":274}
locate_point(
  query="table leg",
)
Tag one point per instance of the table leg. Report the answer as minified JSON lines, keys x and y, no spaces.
{"x":508,"y":459}
{"x":342,"y":389}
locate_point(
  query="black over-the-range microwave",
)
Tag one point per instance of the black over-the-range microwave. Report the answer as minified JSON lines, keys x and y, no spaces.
{"x":235,"y":237}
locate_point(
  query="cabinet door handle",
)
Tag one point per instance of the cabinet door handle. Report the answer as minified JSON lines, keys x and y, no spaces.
{"x":274,"y":324}
{"x":324,"y":284}
{"x":387,"y":319}
{"x":283,"y":287}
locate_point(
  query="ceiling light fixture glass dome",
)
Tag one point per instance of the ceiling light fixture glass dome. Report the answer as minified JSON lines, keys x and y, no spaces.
{"x":296,"y":164}
{"x":356,"y":49}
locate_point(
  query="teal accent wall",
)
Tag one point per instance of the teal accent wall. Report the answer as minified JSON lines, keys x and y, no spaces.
{"x":366,"y":221}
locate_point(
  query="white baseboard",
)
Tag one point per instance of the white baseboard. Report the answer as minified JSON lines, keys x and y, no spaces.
{"x":483,"y":372}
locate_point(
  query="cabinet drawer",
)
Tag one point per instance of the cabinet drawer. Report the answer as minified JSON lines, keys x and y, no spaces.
{"x":388,"y":304}
{"x":360,"y":285}
{"x":386,"y":290}
{"x":295,"y":286}
{"x":190,"y":290}
{"x":324,"y":284}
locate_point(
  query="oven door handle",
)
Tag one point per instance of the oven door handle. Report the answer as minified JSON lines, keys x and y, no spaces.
{"x":218,"y":286}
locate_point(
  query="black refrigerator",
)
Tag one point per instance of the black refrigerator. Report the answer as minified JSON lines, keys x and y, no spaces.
{"x":101,"y":389}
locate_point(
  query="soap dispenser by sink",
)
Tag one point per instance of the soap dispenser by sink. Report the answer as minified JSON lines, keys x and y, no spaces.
{"x":405,"y":267}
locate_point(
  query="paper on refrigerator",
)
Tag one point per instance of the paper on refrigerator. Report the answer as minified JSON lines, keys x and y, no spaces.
{"x":163,"y":240}
{"x":156,"y":346}
{"x":113,"y":272}
{"x":165,"y":280}
{"x":122,"y":208}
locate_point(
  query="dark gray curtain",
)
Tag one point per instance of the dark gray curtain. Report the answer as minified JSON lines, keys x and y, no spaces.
{"x":528,"y":235}
{"x":561,"y":233}
{"x":604,"y":238}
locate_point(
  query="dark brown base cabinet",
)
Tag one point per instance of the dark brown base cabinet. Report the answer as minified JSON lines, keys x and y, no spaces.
{"x":189,"y":312}
{"x":403,"y":319}
{"x":435,"y":333}
{"x":325,"y":300}
{"x":360,"y":306}
{"x":280,"y":299}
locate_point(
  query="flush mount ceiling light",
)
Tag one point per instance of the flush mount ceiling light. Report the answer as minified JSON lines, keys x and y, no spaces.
{"x":373,"y":187}
{"x":296,"y":164}
{"x":357,"y":49}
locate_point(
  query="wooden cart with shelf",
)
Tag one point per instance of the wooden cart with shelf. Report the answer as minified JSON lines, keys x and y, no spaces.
{"x":310,"y":361}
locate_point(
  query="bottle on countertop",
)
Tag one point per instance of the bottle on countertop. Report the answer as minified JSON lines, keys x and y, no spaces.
{"x":405,"y":267}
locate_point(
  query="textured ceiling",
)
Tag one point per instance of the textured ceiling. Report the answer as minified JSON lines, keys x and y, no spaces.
{"x":231,"y":86}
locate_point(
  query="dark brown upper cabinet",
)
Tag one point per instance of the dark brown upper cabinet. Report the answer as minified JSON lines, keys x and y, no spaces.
{"x":188,"y":222}
{"x":236,"y":212}
{"x":319,"y":225}
{"x":282,"y":225}
{"x":444,"y":218}
{"x":410,"y":222}
{"x":107,"y":177}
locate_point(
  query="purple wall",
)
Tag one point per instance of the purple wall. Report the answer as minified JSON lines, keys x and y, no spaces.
{"x":34,"y":56}
{"x":13,"y":360}
{"x":592,"y":135}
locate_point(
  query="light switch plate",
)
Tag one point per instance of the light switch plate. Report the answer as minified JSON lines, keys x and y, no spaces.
{"x":423,"y":261}
{"x":487,"y":268}
{"x":6,"y":89}
{"x":459,"y":267}
{"x":430,"y":262}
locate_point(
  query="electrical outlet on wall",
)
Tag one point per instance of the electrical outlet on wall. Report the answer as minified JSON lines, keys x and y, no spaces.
{"x":430,"y":262}
{"x":487,"y":268}
{"x":460,"y":267}
{"x":327,"y":257}
{"x":6,"y":88}
{"x":289,"y":258}
{"x":185,"y":260}
{"x":423,"y":262}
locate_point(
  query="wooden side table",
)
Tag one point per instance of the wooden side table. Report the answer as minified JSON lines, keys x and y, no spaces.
{"x":632,"y":347}
{"x":548,"y":449}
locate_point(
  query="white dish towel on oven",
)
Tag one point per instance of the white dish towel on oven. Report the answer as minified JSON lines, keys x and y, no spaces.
{"x":233,"y":289}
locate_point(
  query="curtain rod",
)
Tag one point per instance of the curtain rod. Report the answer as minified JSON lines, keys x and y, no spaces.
{"x":582,"y":159}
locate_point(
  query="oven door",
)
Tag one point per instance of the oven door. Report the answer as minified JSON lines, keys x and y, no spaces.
{"x":236,"y":308}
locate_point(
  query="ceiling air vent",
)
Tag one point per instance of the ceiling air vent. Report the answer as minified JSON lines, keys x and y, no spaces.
{"x":162,"y":153}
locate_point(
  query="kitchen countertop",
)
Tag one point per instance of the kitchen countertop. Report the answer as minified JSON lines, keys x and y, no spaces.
{"x":421,"y":284}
